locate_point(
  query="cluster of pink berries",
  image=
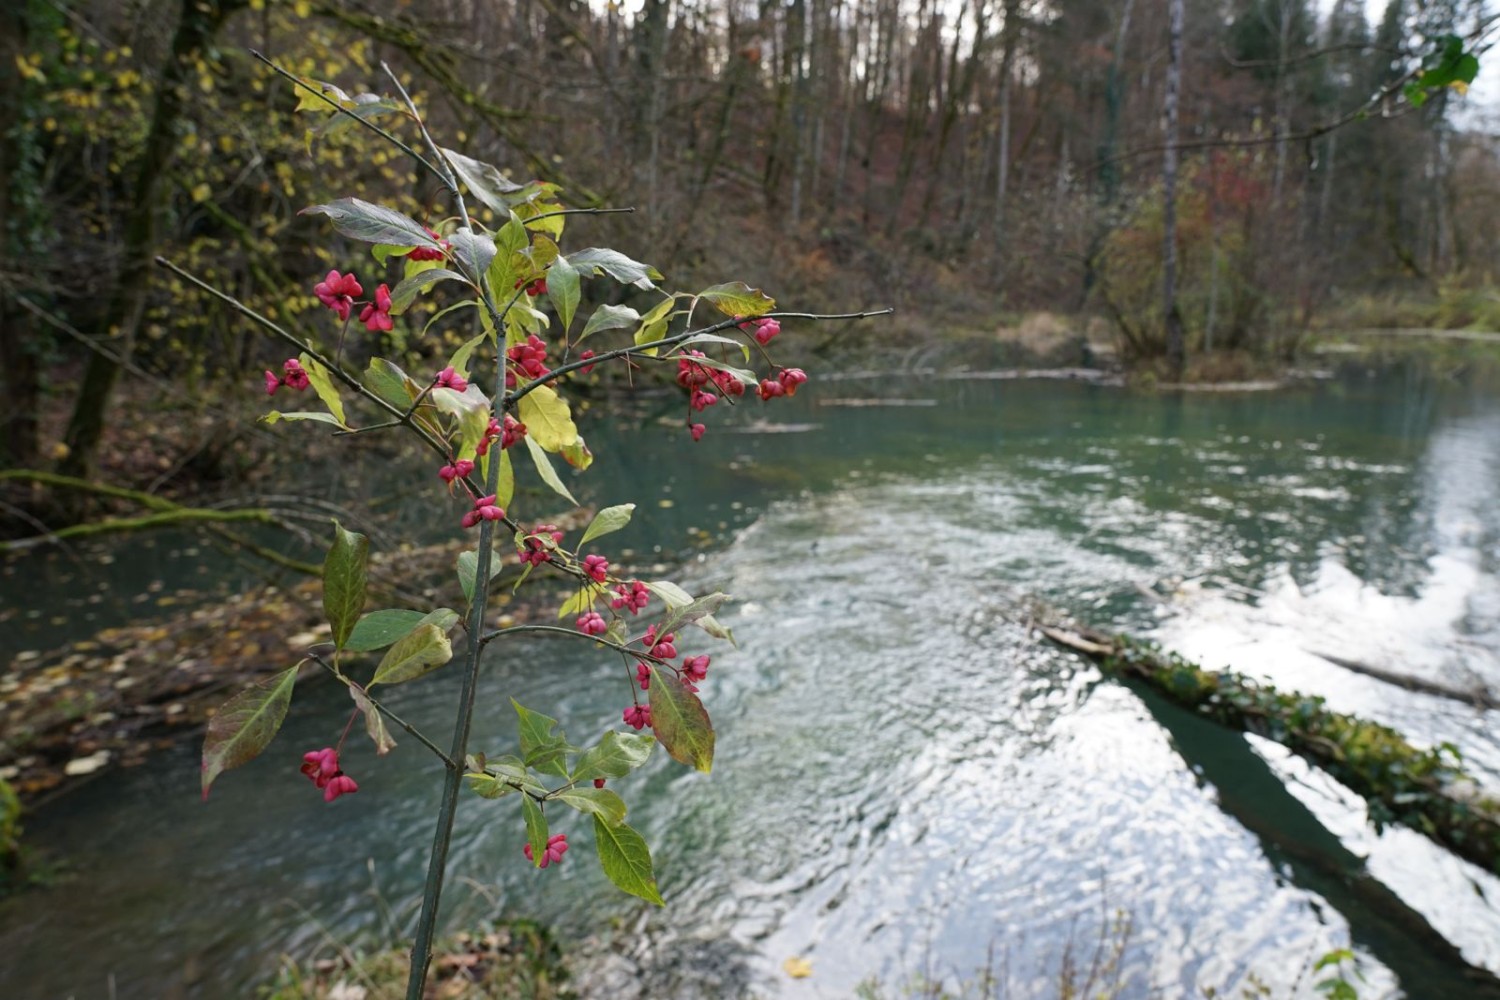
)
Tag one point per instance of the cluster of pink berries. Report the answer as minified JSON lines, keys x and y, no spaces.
{"x":530,"y":358}
{"x":533,"y":550}
{"x":294,"y":377}
{"x":784,"y":384}
{"x":458,"y":470}
{"x":634,"y":598}
{"x":322,"y":768}
{"x":449,"y":379}
{"x":339,"y":291}
{"x":484,"y":510}
{"x":431,"y":253}
{"x":763,"y":330}
{"x":557,"y":846}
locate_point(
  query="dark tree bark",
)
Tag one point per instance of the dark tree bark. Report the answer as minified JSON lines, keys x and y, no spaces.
{"x":1176,"y":350}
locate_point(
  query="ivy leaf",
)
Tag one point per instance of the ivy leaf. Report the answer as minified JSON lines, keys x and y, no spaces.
{"x":616,"y":755}
{"x":486,"y":183}
{"x":536,"y":829}
{"x":609,"y":318}
{"x":322,"y":383}
{"x":738,"y":299}
{"x":245,"y":725}
{"x":407,"y":290}
{"x":562,"y":289}
{"x":360,"y":220}
{"x":546,"y":471}
{"x":600,"y":802}
{"x":374,"y":721}
{"x":420,"y":652}
{"x":616,"y":265}
{"x":681,"y":722}
{"x":547,"y":417}
{"x":608,"y":520}
{"x":379,"y":629}
{"x":626,"y":860}
{"x":344,"y":578}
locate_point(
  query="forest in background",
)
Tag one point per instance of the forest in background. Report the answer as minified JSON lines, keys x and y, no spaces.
{"x":963,"y":161}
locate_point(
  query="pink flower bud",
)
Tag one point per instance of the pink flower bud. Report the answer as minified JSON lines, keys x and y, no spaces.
{"x":697,"y":431}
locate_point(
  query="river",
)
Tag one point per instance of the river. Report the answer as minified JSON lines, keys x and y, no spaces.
{"x":908,"y":783}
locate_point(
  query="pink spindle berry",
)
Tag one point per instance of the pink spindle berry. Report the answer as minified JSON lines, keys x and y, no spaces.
{"x":701,"y":400}
{"x":484,"y":510}
{"x":557,"y":846}
{"x":338,"y":292}
{"x":273,"y":382}
{"x":376,"y":316}
{"x":598,"y":782}
{"x":697,"y":431}
{"x":643,"y":674}
{"x":584,"y":357}
{"x":448,"y":378}
{"x":634,"y":598}
{"x":592,"y":623}
{"x":457,"y":470}
{"x":765,"y":330}
{"x":530,"y":358}
{"x":790,"y":379}
{"x":295,"y":376}
{"x":694,"y":668}
{"x":341,"y":784}
{"x":728,"y":384}
{"x":638,"y":716}
{"x":690,"y":374}
{"x":770,"y":389}
{"x":663,"y":648}
{"x":431,"y":253}
{"x":322,"y":768}
{"x":511,"y":432}
{"x":534,"y":550}
{"x":596,"y":568}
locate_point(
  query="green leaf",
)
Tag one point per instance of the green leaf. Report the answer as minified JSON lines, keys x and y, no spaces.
{"x":465,"y":304}
{"x":460,"y":360}
{"x":245,"y":725}
{"x":616,"y":755}
{"x":562,"y":289}
{"x":505,"y":488}
{"x":468,"y":569}
{"x":680,"y":721}
{"x":711,"y":625}
{"x":360,"y":220}
{"x":545,"y":470}
{"x":407,"y":290}
{"x":374,"y":721}
{"x":470,"y":408}
{"x":474,"y":251}
{"x":738,"y":299}
{"x":577,"y":454}
{"x":390,"y":383}
{"x":364,"y":107}
{"x":581,"y":601}
{"x":609,"y":318}
{"x":379,"y":629}
{"x":322,"y":383}
{"x":626,"y":860}
{"x":383,"y":252}
{"x":714,"y":338}
{"x":536,"y":829}
{"x":599,"y":802}
{"x":486,"y":183}
{"x":344,"y":570}
{"x":539,"y":741}
{"x":322,"y":418}
{"x":607,"y":520}
{"x":421,"y":651}
{"x":671,"y":594}
{"x":548,"y":419}
{"x":616,"y":265}
{"x":509,"y":772}
{"x":703,"y":607}
{"x":654,"y":324}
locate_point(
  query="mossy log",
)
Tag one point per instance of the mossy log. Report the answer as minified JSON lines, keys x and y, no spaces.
{"x":1425,"y":790}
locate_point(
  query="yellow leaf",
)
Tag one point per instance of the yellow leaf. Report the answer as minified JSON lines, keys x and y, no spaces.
{"x":303,"y":8}
{"x":1460,"y":86}
{"x":202,"y":192}
{"x":797,"y":968}
{"x":548,"y":421}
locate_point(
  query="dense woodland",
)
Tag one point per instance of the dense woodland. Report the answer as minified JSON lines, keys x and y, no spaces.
{"x":962,"y":161}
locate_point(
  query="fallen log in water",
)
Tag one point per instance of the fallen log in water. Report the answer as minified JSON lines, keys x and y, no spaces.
{"x":1425,"y":790}
{"x":1479,"y":696}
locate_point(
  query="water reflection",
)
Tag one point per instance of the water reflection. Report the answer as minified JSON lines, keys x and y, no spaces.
{"x":906,"y":780}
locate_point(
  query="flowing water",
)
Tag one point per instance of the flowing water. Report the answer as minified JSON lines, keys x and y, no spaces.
{"x":908,"y":784}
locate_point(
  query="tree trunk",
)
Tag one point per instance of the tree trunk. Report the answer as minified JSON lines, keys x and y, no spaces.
{"x":19,"y":441}
{"x":197,"y":24}
{"x":1176,"y":351}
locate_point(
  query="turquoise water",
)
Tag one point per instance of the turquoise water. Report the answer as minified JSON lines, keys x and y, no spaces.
{"x":908,"y":783}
